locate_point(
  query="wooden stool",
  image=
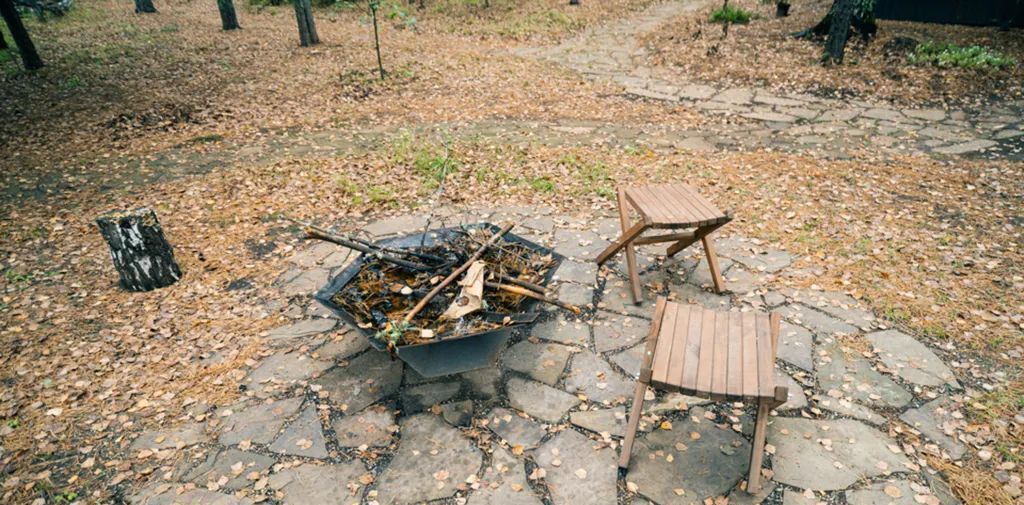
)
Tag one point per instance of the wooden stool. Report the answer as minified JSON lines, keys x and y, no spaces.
{"x":666,"y":207}
{"x":711,"y":354}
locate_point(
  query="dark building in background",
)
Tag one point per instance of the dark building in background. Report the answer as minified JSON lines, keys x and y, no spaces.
{"x":1002,"y":13}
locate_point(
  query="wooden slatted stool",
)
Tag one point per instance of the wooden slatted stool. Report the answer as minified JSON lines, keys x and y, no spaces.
{"x":724,"y":356}
{"x":666,"y":207}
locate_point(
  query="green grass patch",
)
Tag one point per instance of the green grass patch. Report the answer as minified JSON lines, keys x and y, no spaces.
{"x":432,"y":162}
{"x":543,"y":184}
{"x":380,"y":194}
{"x":206,"y":139}
{"x":952,"y":55}
{"x":594,"y":177}
{"x":730,"y":14}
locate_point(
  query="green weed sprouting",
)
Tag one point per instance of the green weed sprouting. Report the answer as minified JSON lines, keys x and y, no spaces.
{"x":952,"y":55}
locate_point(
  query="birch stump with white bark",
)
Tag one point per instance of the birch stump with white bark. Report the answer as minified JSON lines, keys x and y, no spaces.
{"x":142,"y":256}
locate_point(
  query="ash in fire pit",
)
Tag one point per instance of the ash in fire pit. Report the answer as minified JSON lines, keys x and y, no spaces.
{"x":443,"y":301}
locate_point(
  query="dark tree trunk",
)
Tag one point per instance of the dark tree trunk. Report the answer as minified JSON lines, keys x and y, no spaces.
{"x":842,"y":16}
{"x":29,"y":56}
{"x":144,"y":6}
{"x":143,"y":258}
{"x":307,"y":28}
{"x":228,"y":18}
{"x":864,"y":24}
{"x":3,"y":41}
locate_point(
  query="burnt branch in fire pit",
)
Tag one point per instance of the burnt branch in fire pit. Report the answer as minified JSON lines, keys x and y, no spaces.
{"x":532,"y":294}
{"x":458,"y":271}
{"x":315,"y":232}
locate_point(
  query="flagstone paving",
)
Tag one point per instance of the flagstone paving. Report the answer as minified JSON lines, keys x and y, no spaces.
{"x":327,"y":419}
{"x":754,"y":117}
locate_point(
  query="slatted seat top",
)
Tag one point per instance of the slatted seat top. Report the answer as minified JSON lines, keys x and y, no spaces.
{"x":714,"y":354}
{"x":674,"y":205}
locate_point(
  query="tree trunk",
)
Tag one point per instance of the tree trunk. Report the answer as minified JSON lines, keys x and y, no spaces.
{"x":29,"y":56}
{"x":307,"y":28}
{"x":842,"y":16}
{"x":143,"y":258}
{"x":3,"y":40}
{"x":144,"y":6}
{"x":228,"y":18}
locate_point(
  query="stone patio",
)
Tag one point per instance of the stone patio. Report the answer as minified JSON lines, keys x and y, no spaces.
{"x":323,"y":419}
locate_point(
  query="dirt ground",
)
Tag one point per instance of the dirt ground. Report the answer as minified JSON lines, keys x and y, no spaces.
{"x":934,"y":244}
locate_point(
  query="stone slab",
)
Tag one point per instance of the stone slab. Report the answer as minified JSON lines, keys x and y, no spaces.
{"x":303,"y":437}
{"x":591,"y":375}
{"x":707,"y":464}
{"x":422,"y":397}
{"x":283,"y":371}
{"x":613,"y":331}
{"x":853,"y":377}
{"x":896,"y":492}
{"x":543,"y":361}
{"x":611,"y":421}
{"x":365,"y":380}
{"x":432,"y":460}
{"x":578,"y":470}
{"x":504,"y":482}
{"x":911,"y":360}
{"x":935,"y":420}
{"x":177,"y":437}
{"x":258,"y":424}
{"x":796,"y":346}
{"x":830,"y":454}
{"x":304,"y":328}
{"x":540,"y":400}
{"x":373,"y":427}
{"x":233,"y":464}
{"x":563,"y":328}
{"x":305,"y":484}
{"x":515,"y":429}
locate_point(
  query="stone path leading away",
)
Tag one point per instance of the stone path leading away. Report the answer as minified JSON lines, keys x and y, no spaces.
{"x":788,"y":121}
{"x":323,"y":419}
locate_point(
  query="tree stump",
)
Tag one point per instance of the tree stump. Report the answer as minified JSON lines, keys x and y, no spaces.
{"x":141,"y":254}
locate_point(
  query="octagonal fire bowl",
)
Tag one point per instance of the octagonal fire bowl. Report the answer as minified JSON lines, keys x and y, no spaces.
{"x":454,"y":354}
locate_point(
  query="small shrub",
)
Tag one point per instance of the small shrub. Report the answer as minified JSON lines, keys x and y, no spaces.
{"x":952,"y":55}
{"x":730,"y":14}
{"x":399,"y":15}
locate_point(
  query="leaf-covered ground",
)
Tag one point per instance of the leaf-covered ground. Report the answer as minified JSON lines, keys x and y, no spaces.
{"x":934,"y":246}
{"x":764,"y":53}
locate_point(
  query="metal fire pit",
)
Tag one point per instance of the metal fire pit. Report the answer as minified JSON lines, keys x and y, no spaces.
{"x":449,"y":355}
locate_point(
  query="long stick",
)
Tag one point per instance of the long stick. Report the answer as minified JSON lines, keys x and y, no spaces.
{"x":376,"y":38}
{"x":531,"y":294}
{"x":322,"y":234}
{"x":521,"y":283}
{"x":458,"y":271}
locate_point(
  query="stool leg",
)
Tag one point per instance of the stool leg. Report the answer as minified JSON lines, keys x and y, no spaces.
{"x":709,"y":252}
{"x":634,"y":276}
{"x":757,"y":452}
{"x":634,"y":423}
